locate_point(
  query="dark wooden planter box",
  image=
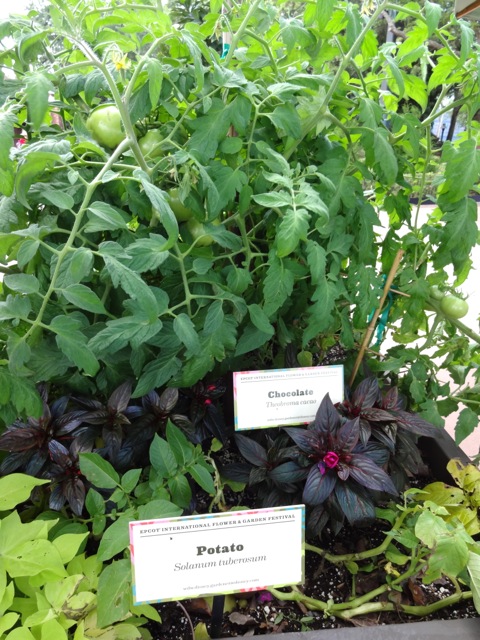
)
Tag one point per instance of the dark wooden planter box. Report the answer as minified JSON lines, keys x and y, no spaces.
{"x":437,"y":453}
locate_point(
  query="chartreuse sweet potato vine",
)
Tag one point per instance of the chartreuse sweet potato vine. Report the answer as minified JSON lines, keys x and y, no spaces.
{"x":285,"y":152}
{"x":427,"y":540}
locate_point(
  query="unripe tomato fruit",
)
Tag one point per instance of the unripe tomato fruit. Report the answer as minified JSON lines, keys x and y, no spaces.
{"x":182,"y":213}
{"x":436,"y":293}
{"x":150,"y":144}
{"x":453,"y":307}
{"x":105,"y":125}
{"x":197,"y":231}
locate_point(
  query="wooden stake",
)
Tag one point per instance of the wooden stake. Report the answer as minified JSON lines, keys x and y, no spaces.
{"x":371,"y":327}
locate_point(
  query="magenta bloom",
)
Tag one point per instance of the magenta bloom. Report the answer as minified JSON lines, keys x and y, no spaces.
{"x":331,"y":459}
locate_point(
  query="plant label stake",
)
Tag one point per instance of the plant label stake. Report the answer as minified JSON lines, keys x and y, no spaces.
{"x":217,"y":616}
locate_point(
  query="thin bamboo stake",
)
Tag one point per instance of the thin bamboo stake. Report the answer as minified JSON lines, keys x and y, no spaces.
{"x":371,"y":327}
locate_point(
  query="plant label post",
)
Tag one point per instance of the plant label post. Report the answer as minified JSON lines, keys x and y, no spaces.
{"x":281,"y":397}
{"x":216,"y":554}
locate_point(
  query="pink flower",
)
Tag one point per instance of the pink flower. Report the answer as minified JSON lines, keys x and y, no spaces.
{"x":331,"y":459}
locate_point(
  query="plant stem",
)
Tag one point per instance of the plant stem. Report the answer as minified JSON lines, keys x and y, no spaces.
{"x":241,"y":30}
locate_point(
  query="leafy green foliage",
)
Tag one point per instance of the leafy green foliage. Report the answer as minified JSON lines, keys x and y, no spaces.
{"x":287,"y":169}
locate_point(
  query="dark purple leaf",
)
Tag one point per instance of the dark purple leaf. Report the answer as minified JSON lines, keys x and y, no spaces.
{"x":414,"y":423}
{"x":57,"y":498}
{"x":237,"y":471}
{"x":99,"y":417}
{"x":36,"y":462}
{"x":306,"y":440}
{"x":377,"y":415}
{"x":89,"y":403}
{"x":390,"y":399}
{"x":58,"y":407}
{"x":368,"y":474}
{"x":168,"y":400}
{"x":347,"y":436}
{"x":215,"y":423}
{"x":74,"y":492}
{"x":84,"y":441}
{"x":288,"y":472}
{"x":365,"y":431}
{"x":386,"y":436}
{"x":69,"y":422}
{"x":197,"y":411}
{"x":112,"y":437}
{"x":366,"y":394}
{"x":318,"y":487}
{"x":21,"y":439}
{"x":14,"y":461}
{"x":327,"y":419}
{"x":59,"y":454}
{"x":251,"y":450}
{"x":120,"y":398}
{"x":257,"y":475}
{"x":374,"y":450}
{"x":132,"y":413}
{"x":355,"y":504}
{"x":343,"y":471}
{"x":317,"y":519}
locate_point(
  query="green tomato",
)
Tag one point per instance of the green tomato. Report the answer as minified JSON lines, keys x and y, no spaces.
{"x":182,"y":213}
{"x":436,"y":293}
{"x":150,"y":143}
{"x":197,"y":231}
{"x":105,"y":125}
{"x":453,"y":306}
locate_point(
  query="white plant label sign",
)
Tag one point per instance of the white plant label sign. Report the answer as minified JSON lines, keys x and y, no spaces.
{"x":238,"y":551}
{"x":283,"y":397}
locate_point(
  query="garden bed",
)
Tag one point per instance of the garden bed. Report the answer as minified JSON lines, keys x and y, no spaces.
{"x":259,"y":614}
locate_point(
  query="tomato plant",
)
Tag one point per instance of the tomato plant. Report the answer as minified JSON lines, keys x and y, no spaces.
{"x":105,"y":124}
{"x":198,"y":232}
{"x":305,"y":165}
{"x":453,"y":306}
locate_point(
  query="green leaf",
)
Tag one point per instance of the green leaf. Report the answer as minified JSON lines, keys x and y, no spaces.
{"x":473,"y":568}
{"x":181,"y":447}
{"x":38,"y":87}
{"x":147,"y":254}
{"x":274,"y":199}
{"x":73,"y":343}
{"x":251,"y":339}
{"x":130,"y":479}
{"x":285,"y":117}
{"x":7,"y":123}
{"x":22,"y":283}
{"x":94,"y":503}
{"x":115,"y":539}
{"x":186,"y":333}
{"x":214,"y":318}
{"x":59,"y":199}
{"x":135,"y":330}
{"x":260,"y":319}
{"x":324,"y":12}
{"x":35,"y":163}
{"x":114,"y":593}
{"x":20,"y":633}
{"x":16,"y":488}
{"x":433,"y":13}
{"x":98,"y":471}
{"x":69,"y":544}
{"x":159,"y":200}
{"x":466,"y":424}
{"x":461,"y":169}
{"x":209,"y":130}
{"x":180,"y":490}
{"x":317,"y":260}
{"x":84,"y":298}
{"x":293,"y":228}
{"x":162,"y":457}
{"x":7,"y":621}
{"x":158,"y":509}
{"x":385,"y":159}
{"x":104,"y":217}
{"x":277,"y":286}
{"x":202,"y":477}
{"x":467,"y":36}
{"x":155,"y":80}
{"x":157,"y":373}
